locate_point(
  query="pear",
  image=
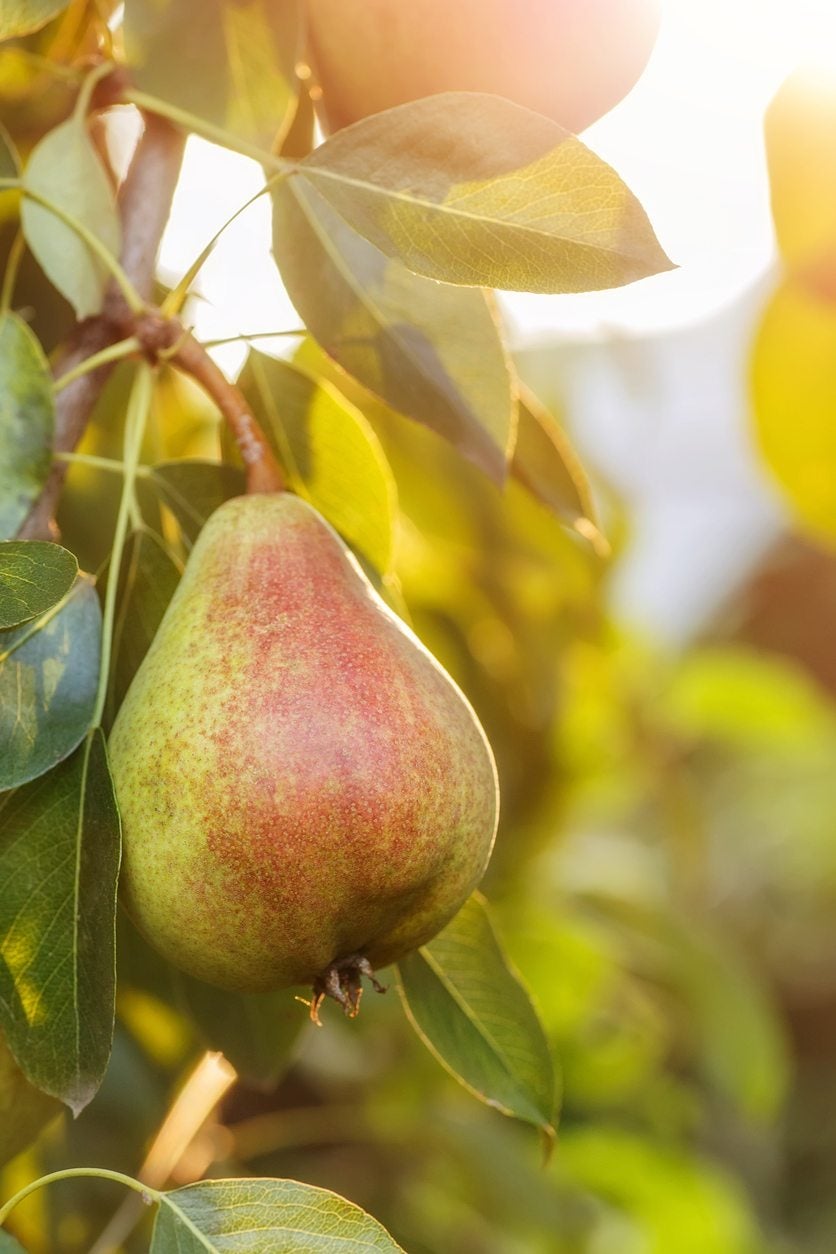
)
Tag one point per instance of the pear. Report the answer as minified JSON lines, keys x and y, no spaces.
{"x":306,"y":795}
{"x":24,"y":1110}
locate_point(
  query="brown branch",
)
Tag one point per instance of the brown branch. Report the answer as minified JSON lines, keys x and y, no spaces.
{"x":144,"y":205}
{"x":169,"y":340}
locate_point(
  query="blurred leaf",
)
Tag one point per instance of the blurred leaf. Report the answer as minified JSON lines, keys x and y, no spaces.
{"x":794,"y":392}
{"x":330,"y":452}
{"x":680,"y":1204}
{"x":19,"y":17}
{"x":59,"y":860}
{"x":64,"y":168}
{"x":34,"y":576}
{"x":230,"y":63}
{"x":800,"y":127}
{"x":8,"y":1245}
{"x":9,"y":156}
{"x":49,"y":674}
{"x":473,"y":1012}
{"x":744,"y":1051}
{"x":194,"y":489}
{"x":27,"y":417}
{"x":254,"y":1031}
{"x":432,"y":352}
{"x":545,"y":463}
{"x":473,"y":189}
{"x":149,"y":578}
{"x":267,"y":1217}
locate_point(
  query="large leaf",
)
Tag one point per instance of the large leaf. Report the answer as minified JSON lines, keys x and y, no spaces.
{"x":794,"y":393}
{"x":49,"y":674}
{"x":330,"y":451}
{"x":59,"y":861}
{"x":264,"y":1217}
{"x":473,"y":189}
{"x":194,"y":489}
{"x":149,"y":577}
{"x":471,"y":1010}
{"x":230,"y":63}
{"x":64,"y":168}
{"x":432,"y":352}
{"x":19,"y":17}
{"x":27,"y":419}
{"x":254,"y":1031}
{"x":34,"y":576}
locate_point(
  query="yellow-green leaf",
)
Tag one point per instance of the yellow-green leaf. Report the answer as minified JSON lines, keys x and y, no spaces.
{"x":794,"y":392}
{"x":20,"y":17}
{"x":27,"y":419}
{"x":473,"y":189}
{"x":34,"y":576}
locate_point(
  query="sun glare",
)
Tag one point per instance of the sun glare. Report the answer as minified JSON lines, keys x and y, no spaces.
{"x":687,"y":140}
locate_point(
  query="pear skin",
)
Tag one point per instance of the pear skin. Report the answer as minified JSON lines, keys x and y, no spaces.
{"x":302,"y":786}
{"x":24,"y":1110}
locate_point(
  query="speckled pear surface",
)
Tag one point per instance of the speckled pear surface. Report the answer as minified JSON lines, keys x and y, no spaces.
{"x":299,"y":779}
{"x":24,"y":1110}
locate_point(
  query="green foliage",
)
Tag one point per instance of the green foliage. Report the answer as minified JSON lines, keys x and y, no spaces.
{"x":26,"y":422}
{"x":19,"y":17}
{"x":34,"y":576}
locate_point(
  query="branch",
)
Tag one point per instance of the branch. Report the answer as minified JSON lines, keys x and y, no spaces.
{"x":144,"y":205}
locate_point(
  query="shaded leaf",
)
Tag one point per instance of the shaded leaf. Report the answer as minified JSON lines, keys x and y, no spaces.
{"x":470,"y":188}
{"x":472,"y":1011}
{"x":8,"y":1245}
{"x":330,"y":452}
{"x":254,"y":1031}
{"x":432,"y":352}
{"x":59,"y":861}
{"x":49,"y":674}
{"x":20,"y":17}
{"x":64,"y":168}
{"x":34,"y":576}
{"x":149,"y":578}
{"x":545,"y":463}
{"x":794,"y":394}
{"x":230,"y":63}
{"x":27,"y":419}
{"x":194,"y":489}
{"x":9,"y":156}
{"x":264,"y":1217}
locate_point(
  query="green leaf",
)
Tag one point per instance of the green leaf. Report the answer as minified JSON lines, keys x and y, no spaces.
{"x":64,"y":168}
{"x":49,"y":674}
{"x":27,"y":420}
{"x":264,"y":1217}
{"x":473,"y":189}
{"x":21,"y":17}
{"x":59,"y":861}
{"x":794,"y":394}
{"x":230,"y":63}
{"x":8,"y":1245}
{"x":330,"y":451}
{"x":472,"y":1011}
{"x":432,"y":352}
{"x":9,"y":156}
{"x":254,"y":1031}
{"x":34,"y":576}
{"x":194,"y":489}
{"x":545,"y":463}
{"x":149,"y":577}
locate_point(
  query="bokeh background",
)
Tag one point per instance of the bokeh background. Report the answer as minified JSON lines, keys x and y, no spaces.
{"x":664,"y":722}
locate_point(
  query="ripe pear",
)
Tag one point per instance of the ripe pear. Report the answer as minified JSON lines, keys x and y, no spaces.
{"x":24,"y":1110}
{"x":305,"y":793}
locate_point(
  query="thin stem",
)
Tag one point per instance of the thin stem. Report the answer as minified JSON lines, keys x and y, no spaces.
{"x":71,"y":1173}
{"x":113,"y":352}
{"x":101,"y":463}
{"x":138,"y":407}
{"x":82,"y":104}
{"x":299,"y":333}
{"x":216,"y":134}
{"x":12,"y":266}
{"x":132,"y":297}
